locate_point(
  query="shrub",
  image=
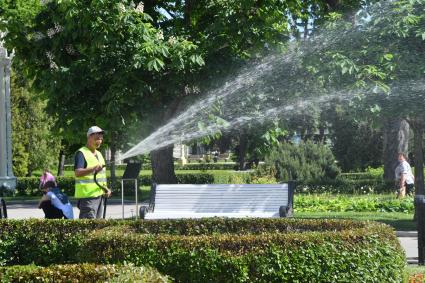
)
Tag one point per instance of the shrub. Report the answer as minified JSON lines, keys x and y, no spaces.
{"x":345,"y":186}
{"x":80,"y":273}
{"x":305,"y":161}
{"x":189,"y":166}
{"x":28,"y":186}
{"x":360,"y":176}
{"x":340,"y":203}
{"x":216,"y":250}
{"x":355,"y":255}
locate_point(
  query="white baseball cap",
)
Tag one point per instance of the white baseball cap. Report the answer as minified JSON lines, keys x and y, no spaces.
{"x":94,"y":130}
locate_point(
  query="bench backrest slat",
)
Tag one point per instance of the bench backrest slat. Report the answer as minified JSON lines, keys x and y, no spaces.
{"x":221,"y":198}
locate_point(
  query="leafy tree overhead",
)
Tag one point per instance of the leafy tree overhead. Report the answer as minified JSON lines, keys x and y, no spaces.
{"x":95,"y":61}
{"x":382,"y":45}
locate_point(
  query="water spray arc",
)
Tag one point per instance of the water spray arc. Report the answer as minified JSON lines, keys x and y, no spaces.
{"x":265,"y":90}
{"x":278,"y":83}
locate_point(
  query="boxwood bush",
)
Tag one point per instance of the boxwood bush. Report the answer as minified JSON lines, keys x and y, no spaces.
{"x":80,"y":273}
{"x":189,"y":166}
{"x":28,"y":186}
{"x":344,"y":184}
{"x":215,"y":250}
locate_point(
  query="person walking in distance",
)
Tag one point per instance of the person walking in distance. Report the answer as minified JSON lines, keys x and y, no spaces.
{"x":404,"y":177}
{"x":88,"y":161}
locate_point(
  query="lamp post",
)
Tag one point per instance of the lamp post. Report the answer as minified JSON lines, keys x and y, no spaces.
{"x":7,"y":179}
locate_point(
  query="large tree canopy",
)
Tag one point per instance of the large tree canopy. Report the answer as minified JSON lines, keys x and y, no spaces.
{"x":95,"y":60}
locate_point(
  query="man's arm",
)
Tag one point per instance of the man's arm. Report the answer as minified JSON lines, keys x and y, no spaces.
{"x":402,"y":180}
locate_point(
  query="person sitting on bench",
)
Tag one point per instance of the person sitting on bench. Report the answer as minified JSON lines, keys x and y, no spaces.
{"x":55,"y":203}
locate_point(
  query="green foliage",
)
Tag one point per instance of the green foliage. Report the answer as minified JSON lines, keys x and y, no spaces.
{"x":216,"y":250}
{"x":304,"y":162}
{"x":34,"y":146}
{"x":343,"y":203}
{"x":84,"y":272}
{"x":346,"y":186}
{"x":103,"y":56}
{"x":28,"y":186}
{"x":188,"y":166}
{"x":346,"y":183}
{"x":356,"y":139}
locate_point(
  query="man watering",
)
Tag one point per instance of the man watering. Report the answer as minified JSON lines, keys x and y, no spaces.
{"x":88,"y":162}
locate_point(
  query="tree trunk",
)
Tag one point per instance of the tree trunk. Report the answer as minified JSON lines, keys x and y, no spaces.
{"x":224,"y":143}
{"x":61,"y":164}
{"x":163,"y":166}
{"x":322,"y":134}
{"x":162,"y":159}
{"x":419,"y":159}
{"x":396,"y":140}
{"x":243,"y":145}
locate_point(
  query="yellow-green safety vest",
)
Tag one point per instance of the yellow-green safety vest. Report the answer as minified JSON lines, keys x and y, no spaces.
{"x":85,"y":187}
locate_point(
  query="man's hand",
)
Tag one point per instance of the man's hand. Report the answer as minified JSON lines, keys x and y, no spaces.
{"x":97,"y":168}
{"x":87,"y":171}
{"x":108,"y":193}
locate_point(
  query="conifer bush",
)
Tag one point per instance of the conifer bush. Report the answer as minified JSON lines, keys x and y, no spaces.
{"x":305,"y":161}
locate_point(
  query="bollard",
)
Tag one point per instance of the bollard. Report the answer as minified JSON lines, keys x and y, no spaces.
{"x":420,"y":211}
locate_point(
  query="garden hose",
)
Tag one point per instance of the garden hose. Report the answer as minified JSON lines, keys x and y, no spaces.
{"x":105,"y":190}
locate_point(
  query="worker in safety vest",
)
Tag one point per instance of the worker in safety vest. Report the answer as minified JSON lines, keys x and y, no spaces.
{"x":88,"y":161}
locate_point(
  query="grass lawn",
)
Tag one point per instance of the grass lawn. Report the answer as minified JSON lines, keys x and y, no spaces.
{"x":400,"y":221}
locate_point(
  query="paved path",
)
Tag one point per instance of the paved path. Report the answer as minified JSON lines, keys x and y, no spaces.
{"x":409,"y":241}
{"x":28,"y":209}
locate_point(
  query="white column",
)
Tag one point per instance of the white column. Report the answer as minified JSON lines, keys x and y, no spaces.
{"x":3,"y":116}
{"x":7,"y":179}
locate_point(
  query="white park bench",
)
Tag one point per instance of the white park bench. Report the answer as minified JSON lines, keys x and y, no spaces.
{"x":198,"y":201}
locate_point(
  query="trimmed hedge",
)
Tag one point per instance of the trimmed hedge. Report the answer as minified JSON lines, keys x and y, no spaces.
{"x":360,"y":176}
{"x":189,"y":166}
{"x":80,"y":273}
{"x":345,"y":186}
{"x":215,"y":250}
{"x":28,"y":186}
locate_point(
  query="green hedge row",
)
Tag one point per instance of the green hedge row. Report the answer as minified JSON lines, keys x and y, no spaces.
{"x":189,"y":166}
{"x":80,"y":273}
{"x":359,"y":176}
{"x":346,"y":186}
{"x":28,"y":186}
{"x":215,"y":250}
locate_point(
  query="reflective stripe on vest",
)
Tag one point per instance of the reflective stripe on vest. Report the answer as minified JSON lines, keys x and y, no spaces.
{"x":85,"y":187}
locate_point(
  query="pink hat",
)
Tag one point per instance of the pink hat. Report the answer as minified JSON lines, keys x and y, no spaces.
{"x":47,"y":176}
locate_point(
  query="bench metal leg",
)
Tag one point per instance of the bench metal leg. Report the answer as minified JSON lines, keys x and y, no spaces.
{"x":3,"y":209}
{"x":285,"y":211}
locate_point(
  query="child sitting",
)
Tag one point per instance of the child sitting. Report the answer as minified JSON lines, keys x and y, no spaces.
{"x":54,"y":203}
